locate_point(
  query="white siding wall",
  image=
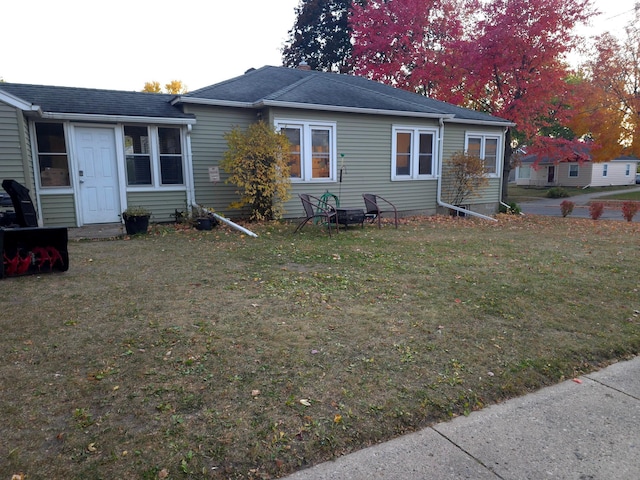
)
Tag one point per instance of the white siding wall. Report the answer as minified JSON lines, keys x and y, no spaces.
{"x":615,"y":174}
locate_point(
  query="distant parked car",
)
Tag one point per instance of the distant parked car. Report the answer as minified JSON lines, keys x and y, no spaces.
{"x":638,"y":178}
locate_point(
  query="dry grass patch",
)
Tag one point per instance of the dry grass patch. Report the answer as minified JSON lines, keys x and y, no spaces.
{"x":213,"y":355}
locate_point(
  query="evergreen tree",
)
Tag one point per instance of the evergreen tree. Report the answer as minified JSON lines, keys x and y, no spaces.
{"x":320,"y":36}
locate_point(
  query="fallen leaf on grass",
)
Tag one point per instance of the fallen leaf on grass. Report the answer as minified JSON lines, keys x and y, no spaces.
{"x":255,"y":393}
{"x":164,"y":473}
{"x":17,"y":476}
{"x":92,"y":448}
{"x":577,"y":380}
{"x":305,"y":402}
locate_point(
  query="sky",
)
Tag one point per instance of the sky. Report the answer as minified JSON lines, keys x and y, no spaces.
{"x":121,"y":44}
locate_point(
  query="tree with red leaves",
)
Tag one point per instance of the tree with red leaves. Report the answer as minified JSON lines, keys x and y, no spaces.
{"x":504,"y":57}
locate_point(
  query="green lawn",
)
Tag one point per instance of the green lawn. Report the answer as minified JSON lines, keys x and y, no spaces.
{"x":186,"y":354}
{"x":623,"y":196}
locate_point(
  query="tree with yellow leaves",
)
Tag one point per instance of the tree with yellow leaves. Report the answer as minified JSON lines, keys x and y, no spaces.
{"x":610,"y":109}
{"x":175,"y":87}
{"x":258,"y":163}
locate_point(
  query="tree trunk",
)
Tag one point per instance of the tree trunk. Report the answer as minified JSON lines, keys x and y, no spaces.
{"x":506,"y":165}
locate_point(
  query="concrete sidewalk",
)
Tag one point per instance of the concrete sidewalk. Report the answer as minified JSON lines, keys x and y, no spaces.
{"x":584,"y":430}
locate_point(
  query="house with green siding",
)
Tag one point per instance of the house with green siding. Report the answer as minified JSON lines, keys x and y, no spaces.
{"x":87,"y":154}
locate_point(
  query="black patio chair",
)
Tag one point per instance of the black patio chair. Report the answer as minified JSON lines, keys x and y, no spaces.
{"x":373,"y":210}
{"x":314,"y":208}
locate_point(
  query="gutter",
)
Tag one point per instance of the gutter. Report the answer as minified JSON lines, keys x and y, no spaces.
{"x":439,"y":195}
{"x":117,"y":118}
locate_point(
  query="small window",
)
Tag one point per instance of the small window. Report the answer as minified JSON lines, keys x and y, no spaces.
{"x":138,"y":155}
{"x":487,"y":147}
{"x":524,"y":173}
{"x":573,"y":170}
{"x":294,"y":135}
{"x":321,"y":148}
{"x":414,"y":153}
{"x":403,"y":154}
{"x":53,"y":161}
{"x":170,"y":156}
{"x":605,"y":170}
{"x":627,"y":171}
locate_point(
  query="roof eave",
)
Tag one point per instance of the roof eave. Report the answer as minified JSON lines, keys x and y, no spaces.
{"x":337,"y":108}
{"x":18,"y":103}
{"x":212,"y":102}
{"x":117,"y":118}
{"x":488,"y":123}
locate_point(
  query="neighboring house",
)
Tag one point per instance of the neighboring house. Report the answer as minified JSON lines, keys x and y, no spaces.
{"x":620,"y":171}
{"x":87,"y":154}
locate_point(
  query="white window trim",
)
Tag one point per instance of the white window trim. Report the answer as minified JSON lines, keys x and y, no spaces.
{"x":483,"y":139}
{"x":415,"y":132}
{"x":524,"y":172}
{"x":305,"y":147}
{"x":154,"y":154}
{"x":35,"y":154}
{"x":577,"y":170}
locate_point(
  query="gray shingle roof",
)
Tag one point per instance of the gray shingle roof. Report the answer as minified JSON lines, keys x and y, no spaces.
{"x":88,"y":101}
{"x":279,"y":85}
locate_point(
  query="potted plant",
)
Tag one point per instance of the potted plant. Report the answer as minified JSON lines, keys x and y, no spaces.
{"x":136,"y":220}
{"x":204,"y":219}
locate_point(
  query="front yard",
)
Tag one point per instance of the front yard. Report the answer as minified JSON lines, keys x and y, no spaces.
{"x":189,"y":354}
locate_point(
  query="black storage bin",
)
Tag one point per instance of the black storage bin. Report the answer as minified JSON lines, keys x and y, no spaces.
{"x":28,"y":251}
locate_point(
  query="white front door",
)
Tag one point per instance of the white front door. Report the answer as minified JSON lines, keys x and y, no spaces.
{"x":98,"y":175}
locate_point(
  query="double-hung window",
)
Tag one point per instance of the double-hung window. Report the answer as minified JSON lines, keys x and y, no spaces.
{"x":487,"y":148}
{"x":312,"y":152}
{"x":153,"y":156}
{"x":627,"y":170}
{"x":53,"y":161}
{"x":573,"y":170}
{"x":605,"y":170}
{"x":414,"y":153}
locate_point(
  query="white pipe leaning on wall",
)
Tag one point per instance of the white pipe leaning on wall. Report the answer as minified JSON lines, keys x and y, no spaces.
{"x":234,"y":225}
{"x":440,"y":162}
{"x":227,"y":221}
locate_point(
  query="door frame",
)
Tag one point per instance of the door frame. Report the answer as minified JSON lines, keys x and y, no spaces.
{"x":551,"y":174}
{"x":75,"y":166}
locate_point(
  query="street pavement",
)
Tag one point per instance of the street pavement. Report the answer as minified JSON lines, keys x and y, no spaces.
{"x":586,"y":428}
{"x":551,"y":206}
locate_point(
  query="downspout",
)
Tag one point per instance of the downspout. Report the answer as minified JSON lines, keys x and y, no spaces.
{"x":191,"y":194}
{"x":439,"y":195}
